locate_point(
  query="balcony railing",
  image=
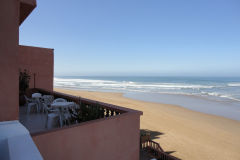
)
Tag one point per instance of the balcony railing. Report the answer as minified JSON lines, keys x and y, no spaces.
{"x":89,"y":109}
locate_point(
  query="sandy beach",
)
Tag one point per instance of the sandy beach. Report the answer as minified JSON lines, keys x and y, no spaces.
{"x":186,"y":134}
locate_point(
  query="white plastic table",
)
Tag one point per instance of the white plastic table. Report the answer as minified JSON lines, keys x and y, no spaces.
{"x":36,"y":95}
{"x":62,"y":105}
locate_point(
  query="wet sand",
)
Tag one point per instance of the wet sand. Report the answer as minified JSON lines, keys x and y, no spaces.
{"x":187,"y":134}
{"x":228,"y":109}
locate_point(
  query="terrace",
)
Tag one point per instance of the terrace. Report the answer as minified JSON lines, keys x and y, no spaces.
{"x":89,"y":110}
{"x":104,"y":127}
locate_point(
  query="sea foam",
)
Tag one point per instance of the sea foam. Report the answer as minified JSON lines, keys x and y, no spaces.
{"x":221,"y":90}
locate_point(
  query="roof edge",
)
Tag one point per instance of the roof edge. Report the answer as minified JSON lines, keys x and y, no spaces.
{"x":26,"y":7}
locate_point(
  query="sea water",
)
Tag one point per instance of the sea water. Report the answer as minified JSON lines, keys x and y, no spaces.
{"x":213,"y":95}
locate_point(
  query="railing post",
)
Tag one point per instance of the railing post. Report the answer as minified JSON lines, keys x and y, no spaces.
{"x":112,"y":112}
{"x":108,"y":114}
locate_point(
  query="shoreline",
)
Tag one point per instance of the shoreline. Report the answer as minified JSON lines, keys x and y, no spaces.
{"x":204,"y":104}
{"x":230,"y":110}
{"x":188,"y":134}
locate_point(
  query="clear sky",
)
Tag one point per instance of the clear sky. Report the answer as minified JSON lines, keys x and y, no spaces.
{"x":138,"y":37}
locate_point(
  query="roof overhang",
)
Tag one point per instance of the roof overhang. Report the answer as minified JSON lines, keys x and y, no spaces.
{"x":26,"y":7}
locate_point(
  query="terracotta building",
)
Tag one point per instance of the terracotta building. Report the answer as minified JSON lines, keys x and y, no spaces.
{"x":112,"y":135}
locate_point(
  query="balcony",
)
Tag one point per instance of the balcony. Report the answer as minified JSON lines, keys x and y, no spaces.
{"x":110,"y":131}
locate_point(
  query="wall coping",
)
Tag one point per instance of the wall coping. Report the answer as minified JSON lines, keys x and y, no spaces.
{"x":36,"y":47}
{"x":85,"y":123}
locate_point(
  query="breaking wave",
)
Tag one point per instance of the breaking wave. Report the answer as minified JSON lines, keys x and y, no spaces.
{"x":206,"y":89}
{"x":234,"y":84}
{"x":124,"y":84}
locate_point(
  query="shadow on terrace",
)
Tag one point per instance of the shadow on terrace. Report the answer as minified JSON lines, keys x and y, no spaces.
{"x":46,"y":110}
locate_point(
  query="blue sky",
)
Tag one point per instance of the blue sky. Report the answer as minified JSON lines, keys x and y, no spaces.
{"x":138,"y":37}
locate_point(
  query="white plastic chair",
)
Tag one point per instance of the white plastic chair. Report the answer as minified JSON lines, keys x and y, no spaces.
{"x":30,"y":104}
{"x":48,"y":99}
{"x":53,"y":115}
{"x":74,"y":112}
{"x":36,"y":97}
{"x":77,"y":106}
{"x":66,"y":116}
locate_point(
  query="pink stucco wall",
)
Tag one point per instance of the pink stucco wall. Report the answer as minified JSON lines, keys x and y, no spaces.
{"x":38,"y":61}
{"x":9,"y":13}
{"x":114,"y":138}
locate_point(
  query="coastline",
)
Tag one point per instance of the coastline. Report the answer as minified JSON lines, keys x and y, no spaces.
{"x":187,"y":134}
{"x":203,"y":104}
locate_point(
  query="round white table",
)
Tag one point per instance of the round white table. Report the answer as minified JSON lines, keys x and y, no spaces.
{"x":62,"y":105}
{"x":36,"y":95}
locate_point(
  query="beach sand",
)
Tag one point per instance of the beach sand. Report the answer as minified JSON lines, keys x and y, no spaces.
{"x":186,"y":134}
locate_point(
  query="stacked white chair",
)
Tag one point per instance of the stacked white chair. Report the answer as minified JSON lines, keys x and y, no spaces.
{"x":53,"y":116}
{"x":66,"y":115}
{"x":77,"y":106}
{"x":47,"y":99}
{"x":74,"y":112}
{"x":30,"y":104}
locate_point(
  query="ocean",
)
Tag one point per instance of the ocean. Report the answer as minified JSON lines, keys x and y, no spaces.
{"x":213,"y":95}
